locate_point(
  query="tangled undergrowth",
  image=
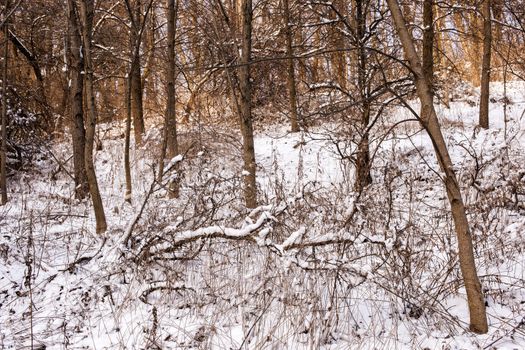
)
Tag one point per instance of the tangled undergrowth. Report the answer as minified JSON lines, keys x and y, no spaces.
{"x":316,"y":266}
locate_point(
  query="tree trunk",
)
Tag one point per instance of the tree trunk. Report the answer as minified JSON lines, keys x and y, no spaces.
{"x":338,"y":58}
{"x":294,"y":120}
{"x":170,"y":123}
{"x":250,"y":189}
{"x":137,"y":108}
{"x":428,"y":119}
{"x":134,"y":90}
{"x":428,"y":42}
{"x":3,"y":149}
{"x":498,"y":7}
{"x":76,"y":93}
{"x":302,"y":74}
{"x":363,"y":165}
{"x":443,"y":50}
{"x":485,"y":68}
{"x":86,"y":15}
{"x":148,"y":85}
{"x":127,"y":142}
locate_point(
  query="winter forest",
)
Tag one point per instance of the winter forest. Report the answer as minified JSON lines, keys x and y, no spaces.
{"x":262,"y":174}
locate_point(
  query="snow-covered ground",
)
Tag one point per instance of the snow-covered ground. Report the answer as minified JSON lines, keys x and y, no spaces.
{"x":316,"y":266}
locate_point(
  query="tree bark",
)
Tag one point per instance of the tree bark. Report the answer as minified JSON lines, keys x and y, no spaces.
{"x":3,"y":149}
{"x":76,"y":93}
{"x":127,"y":142}
{"x":86,"y":15}
{"x":428,"y":119}
{"x":170,"y":123}
{"x":150,"y":47}
{"x":497,"y":7}
{"x":292,"y":91}
{"x":443,"y":49}
{"x":338,"y":58}
{"x":302,"y":75}
{"x":428,"y":42}
{"x":137,"y":108}
{"x":250,"y":189}
{"x":363,"y":165}
{"x":485,"y":67}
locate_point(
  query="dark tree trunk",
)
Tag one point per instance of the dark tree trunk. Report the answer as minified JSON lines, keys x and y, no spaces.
{"x":338,"y":58}
{"x":363,"y":164}
{"x":135,"y":75}
{"x":134,"y":88}
{"x":292,"y":91}
{"x":86,"y":15}
{"x":170,"y":124}
{"x":76,"y":93}
{"x":137,"y":109}
{"x":127,"y":141}
{"x":428,"y":41}
{"x":3,"y":149}
{"x":485,"y":66}
{"x":250,"y":189}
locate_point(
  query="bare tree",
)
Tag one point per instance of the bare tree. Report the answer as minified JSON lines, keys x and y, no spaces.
{"x":170,"y":145}
{"x":292,"y":86}
{"x":3,"y":150}
{"x":429,"y":121}
{"x":250,"y":189}
{"x":138,"y":22}
{"x":485,"y":66}
{"x":363,"y":162}
{"x":76,"y":93}
{"x":127,"y":142}
{"x":134,"y":87}
{"x":86,"y":17}
{"x":428,"y":42}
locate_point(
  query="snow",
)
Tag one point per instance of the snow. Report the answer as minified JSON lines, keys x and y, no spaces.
{"x":295,"y":237}
{"x":315,"y":266}
{"x":173,"y":161}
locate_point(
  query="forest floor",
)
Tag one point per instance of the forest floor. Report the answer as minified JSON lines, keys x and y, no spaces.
{"x":316,"y":266}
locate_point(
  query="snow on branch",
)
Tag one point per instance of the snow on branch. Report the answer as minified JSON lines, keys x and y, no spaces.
{"x":174,"y":161}
{"x":255,"y":229}
{"x":246,"y":232}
